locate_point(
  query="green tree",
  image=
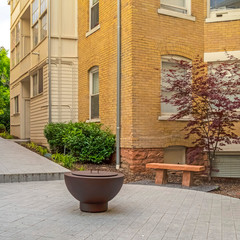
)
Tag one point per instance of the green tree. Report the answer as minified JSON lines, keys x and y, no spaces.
{"x":4,"y":88}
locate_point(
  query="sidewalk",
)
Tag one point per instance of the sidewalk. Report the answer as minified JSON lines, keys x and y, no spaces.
{"x":47,"y":211}
{"x":18,"y":164}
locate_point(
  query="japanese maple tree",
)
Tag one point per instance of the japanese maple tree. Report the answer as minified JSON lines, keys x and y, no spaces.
{"x":209,"y":96}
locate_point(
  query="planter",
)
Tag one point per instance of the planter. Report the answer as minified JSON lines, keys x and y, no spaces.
{"x":93,"y":188}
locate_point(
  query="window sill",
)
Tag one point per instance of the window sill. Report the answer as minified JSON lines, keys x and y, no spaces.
{"x":166,"y":118}
{"x":96,"y":120}
{"x":16,"y":114}
{"x":222,"y":19}
{"x":40,"y":94}
{"x":176,"y":14}
{"x":93,"y":30}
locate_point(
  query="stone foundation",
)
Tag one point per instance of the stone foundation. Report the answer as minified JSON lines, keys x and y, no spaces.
{"x":136,"y":159}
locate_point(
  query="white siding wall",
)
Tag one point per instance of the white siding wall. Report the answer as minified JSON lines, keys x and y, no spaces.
{"x":64,"y":91}
{"x":39,"y":112}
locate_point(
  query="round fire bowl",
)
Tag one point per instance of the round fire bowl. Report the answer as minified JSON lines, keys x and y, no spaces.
{"x":93,"y":188}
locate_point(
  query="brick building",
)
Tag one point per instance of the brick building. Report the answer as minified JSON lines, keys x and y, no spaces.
{"x":153,"y":32}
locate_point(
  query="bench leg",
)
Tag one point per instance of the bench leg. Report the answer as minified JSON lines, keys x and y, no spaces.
{"x":161,"y":176}
{"x":187,"y":179}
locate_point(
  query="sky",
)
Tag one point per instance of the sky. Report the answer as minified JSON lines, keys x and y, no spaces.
{"x":4,"y":24}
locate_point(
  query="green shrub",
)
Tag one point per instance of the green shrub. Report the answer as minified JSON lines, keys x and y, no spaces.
{"x":6,"y":135}
{"x":54,"y":132}
{"x":88,"y":142}
{"x":2,"y":128}
{"x":65,"y":160}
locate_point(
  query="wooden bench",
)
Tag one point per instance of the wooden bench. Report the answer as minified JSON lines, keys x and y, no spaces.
{"x":161,"y":172}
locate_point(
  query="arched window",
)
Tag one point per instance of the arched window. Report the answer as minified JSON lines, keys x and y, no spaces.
{"x":168,"y":63}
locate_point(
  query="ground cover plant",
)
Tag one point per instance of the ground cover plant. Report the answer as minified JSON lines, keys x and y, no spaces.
{"x":209,"y":95}
{"x":88,"y":142}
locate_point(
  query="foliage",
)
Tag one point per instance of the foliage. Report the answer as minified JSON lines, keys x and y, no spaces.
{"x":85,"y":141}
{"x":4,"y":89}
{"x":210,"y":96}
{"x":54,"y":132}
{"x":6,"y":135}
{"x":65,"y":160}
{"x":41,"y":150}
{"x":2,"y":128}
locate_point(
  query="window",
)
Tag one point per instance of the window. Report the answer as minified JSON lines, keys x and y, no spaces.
{"x":34,"y":11}
{"x":17,"y":54}
{"x":37,"y":83}
{"x":223,"y":10}
{"x":175,"y":5}
{"x":39,"y":21}
{"x":94,"y":93}
{"x":176,"y":8}
{"x":170,"y":63}
{"x":216,"y":5}
{"x":43,"y":26}
{"x":94,"y":13}
{"x":16,"y":105}
{"x":18,"y":33}
{"x":43,"y":6}
{"x":35,"y":35}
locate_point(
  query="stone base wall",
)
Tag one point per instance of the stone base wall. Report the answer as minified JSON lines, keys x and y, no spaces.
{"x":135,"y":160}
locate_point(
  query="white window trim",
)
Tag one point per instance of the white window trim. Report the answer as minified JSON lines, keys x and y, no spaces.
{"x":171,"y":13}
{"x":92,"y":71}
{"x":222,"y":15}
{"x":90,"y":20}
{"x":166,"y":116}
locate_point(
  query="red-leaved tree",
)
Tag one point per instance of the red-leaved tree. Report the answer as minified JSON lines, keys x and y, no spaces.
{"x":209,"y":95}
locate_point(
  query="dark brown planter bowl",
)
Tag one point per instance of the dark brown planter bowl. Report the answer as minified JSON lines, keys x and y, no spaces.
{"x":93,"y":190}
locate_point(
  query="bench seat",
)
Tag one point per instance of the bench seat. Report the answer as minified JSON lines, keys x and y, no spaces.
{"x":161,"y":172}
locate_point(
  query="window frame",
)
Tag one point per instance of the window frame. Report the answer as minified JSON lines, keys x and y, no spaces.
{"x":91,"y":73}
{"x":37,"y":73}
{"x":91,"y":5}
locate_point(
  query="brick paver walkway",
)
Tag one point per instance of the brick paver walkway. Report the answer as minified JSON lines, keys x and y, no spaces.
{"x":18,"y":164}
{"x":46,"y":210}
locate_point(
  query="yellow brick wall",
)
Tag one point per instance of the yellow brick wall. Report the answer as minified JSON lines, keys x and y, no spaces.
{"x":146,"y":36}
{"x":155,"y":35}
{"x":100,"y":49}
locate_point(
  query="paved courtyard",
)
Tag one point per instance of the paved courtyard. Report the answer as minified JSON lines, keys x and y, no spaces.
{"x":46,"y":210}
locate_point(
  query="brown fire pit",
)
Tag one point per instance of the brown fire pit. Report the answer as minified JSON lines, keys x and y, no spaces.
{"x":93,"y":188}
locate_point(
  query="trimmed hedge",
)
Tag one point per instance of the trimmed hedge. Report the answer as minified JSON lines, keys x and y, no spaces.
{"x":88,"y":142}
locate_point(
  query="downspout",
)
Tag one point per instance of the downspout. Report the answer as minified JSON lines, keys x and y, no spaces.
{"x":49,"y":65}
{"x":118,"y":136}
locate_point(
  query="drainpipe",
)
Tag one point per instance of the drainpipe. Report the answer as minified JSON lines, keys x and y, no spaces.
{"x":118,"y":154}
{"x":49,"y":65}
